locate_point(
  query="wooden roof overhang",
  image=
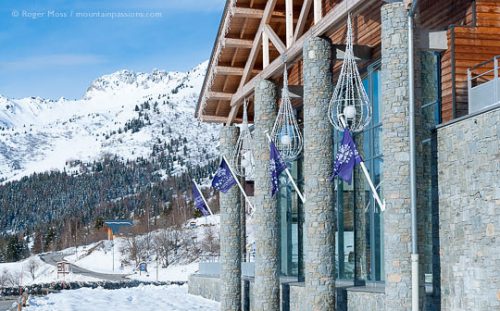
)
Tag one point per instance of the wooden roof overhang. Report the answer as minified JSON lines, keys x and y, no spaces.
{"x":238,"y":59}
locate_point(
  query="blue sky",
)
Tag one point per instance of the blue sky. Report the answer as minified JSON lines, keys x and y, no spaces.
{"x":54,"y":48}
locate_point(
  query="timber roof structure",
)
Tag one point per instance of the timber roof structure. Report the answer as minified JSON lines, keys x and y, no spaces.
{"x":256,"y":36}
{"x":253,"y":36}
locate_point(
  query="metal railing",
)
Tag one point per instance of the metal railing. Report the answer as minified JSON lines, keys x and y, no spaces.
{"x":483,"y":85}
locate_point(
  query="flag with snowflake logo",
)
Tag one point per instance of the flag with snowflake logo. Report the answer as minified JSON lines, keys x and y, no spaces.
{"x":199,"y":203}
{"x":347,"y":157}
{"x":276,"y":166}
{"x":223,"y":179}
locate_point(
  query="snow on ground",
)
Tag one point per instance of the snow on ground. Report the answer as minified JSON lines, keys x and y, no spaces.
{"x":101,"y":259}
{"x":20,"y":273}
{"x":144,"y":297}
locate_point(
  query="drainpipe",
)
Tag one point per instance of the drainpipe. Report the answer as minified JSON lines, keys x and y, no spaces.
{"x":413,"y":178}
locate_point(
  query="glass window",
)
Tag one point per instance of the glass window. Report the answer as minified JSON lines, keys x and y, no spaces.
{"x":291,"y":219}
{"x":360,"y":224}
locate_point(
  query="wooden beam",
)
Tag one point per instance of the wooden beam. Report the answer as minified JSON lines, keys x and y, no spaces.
{"x":289,"y":22}
{"x":216,"y":119}
{"x":361,"y":52}
{"x":265,"y":50}
{"x":275,"y":39}
{"x":228,"y":71}
{"x":301,"y":23}
{"x":219,"y":96}
{"x":231,"y":71}
{"x":257,"y":40}
{"x":248,"y":12}
{"x":238,"y":43}
{"x":318,"y":11}
{"x":258,"y":14}
{"x":334,"y":17}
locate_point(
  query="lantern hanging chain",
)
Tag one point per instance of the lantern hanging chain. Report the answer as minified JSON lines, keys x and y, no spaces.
{"x":242,"y":156}
{"x":350,"y":106}
{"x":286,"y":133}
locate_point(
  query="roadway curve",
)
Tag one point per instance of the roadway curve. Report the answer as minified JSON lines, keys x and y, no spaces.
{"x":54,"y":258}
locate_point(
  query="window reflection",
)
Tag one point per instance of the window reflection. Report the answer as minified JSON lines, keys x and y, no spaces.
{"x":360,"y":224}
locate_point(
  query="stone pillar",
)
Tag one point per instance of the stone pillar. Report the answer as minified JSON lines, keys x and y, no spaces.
{"x":230,"y":233}
{"x":396,"y":150}
{"x":319,"y":241}
{"x":267,"y":285}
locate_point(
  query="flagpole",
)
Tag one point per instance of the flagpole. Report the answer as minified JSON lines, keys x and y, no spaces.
{"x":372,"y":187}
{"x":367,"y":176}
{"x":287,"y":171}
{"x":238,"y":182}
{"x":203,"y":197}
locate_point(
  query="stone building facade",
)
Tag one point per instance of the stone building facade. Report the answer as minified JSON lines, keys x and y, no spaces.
{"x":338,"y":250}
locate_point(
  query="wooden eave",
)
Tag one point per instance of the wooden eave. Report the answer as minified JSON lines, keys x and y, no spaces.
{"x":238,"y":60}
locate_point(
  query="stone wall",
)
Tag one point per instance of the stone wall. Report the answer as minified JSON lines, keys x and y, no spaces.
{"x":469,"y":211}
{"x":297,"y":297}
{"x":359,"y":300}
{"x":205,"y":286}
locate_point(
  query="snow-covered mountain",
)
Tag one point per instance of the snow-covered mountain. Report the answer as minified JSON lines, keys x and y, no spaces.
{"x":125,"y":113}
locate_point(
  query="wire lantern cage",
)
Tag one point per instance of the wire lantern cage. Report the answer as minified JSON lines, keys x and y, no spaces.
{"x":242,"y":158}
{"x":286,"y":132}
{"x":350,"y":106}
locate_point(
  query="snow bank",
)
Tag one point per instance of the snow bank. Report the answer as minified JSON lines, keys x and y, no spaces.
{"x":165,"y":298}
{"x":34,"y":271}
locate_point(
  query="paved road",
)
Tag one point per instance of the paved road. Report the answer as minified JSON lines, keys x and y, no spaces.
{"x":53,"y":258}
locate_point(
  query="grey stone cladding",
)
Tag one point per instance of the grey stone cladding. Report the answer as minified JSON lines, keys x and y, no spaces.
{"x":319,"y":226}
{"x":365,"y":301}
{"x":298,"y":299}
{"x":396,"y":190}
{"x":267,"y":286}
{"x":469,"y":213}
{"x":230,"y":233}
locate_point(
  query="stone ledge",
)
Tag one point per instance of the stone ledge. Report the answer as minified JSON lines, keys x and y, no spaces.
{"x":376,"y":289}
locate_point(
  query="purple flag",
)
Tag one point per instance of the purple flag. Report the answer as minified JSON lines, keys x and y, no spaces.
{"x":347,"y":157}
{"x":276,"y":166}
{"x":199,"y":203}
{"x":223,"y":179}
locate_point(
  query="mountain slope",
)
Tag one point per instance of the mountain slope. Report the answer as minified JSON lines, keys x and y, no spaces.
{"x":126,"y":114}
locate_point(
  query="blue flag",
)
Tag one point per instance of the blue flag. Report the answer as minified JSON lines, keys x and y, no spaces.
{"x":347,"y":157}
{"x":223,"y":179}
{"x":276,"y":166}
{"x":199,"y":203}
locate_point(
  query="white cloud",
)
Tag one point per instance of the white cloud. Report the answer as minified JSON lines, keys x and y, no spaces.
{"x":51,"y":61}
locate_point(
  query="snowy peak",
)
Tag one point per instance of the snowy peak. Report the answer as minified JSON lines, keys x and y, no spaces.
{"x":158,"y":79}
{"x":125,"y":113}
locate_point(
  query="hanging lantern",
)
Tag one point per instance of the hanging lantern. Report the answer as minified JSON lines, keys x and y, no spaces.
{"x":349,"y":106}
{"x":286,"y":132}
{"x":242,"y":158}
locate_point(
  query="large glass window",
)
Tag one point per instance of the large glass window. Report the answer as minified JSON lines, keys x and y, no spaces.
{"x":291,"y":219}
{"x":427,"y":201}
{"x":360,"y":224}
